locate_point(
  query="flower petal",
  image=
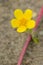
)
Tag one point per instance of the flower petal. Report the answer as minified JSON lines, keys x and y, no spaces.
{"x":31,"y":24}
{"x":21,"y":29}
{"x":18,"y":13}
{"x":14,"y":23}
{"x":28,"y":14}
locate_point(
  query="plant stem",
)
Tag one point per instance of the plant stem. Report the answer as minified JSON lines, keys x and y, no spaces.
{"x":29,"y":37}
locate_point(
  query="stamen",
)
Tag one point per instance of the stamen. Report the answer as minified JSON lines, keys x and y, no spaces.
{"x":23,"y":22}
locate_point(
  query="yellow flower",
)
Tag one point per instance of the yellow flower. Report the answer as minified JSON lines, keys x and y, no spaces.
{"x":23,"y":21}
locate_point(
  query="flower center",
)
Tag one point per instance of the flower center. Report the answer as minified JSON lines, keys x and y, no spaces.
{"x":23,"y":22}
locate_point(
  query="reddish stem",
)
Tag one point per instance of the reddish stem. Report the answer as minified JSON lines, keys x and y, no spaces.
{"x":29,"y":37}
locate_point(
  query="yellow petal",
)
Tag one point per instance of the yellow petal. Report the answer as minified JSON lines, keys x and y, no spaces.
{"x":18,"y":13}
{"x":14,"y":23}
{"x":31,"y":24}
{"x":21,"y":29}
{"x":28,"y":14}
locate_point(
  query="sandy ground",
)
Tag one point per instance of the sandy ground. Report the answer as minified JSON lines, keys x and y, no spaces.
{"x":11,"y":42}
